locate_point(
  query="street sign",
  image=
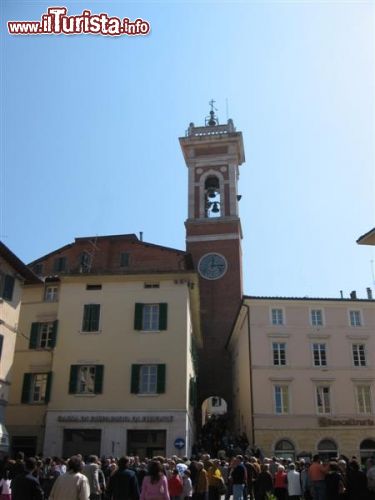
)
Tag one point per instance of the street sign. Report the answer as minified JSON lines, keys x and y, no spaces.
{"x":179,"y":443}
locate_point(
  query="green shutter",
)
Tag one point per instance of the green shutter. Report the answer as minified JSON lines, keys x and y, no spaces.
{"x":73,"y":379}
{"x":98,"y":385}
{"x":48,"y":387}
{"x":26,"y":388}
{"x":86,"y":318}
{"x":33,"y":343}
{"x":54,"y":334}
{"x":134,"y":387}
{"x":95,"y":316}
{"x":163,"y":309}
{"x":138,"y":316}
{"x":8,"y":287}
{"x":91,"y":315}
{"x":192,"y":392}
{"x":161,"y":379}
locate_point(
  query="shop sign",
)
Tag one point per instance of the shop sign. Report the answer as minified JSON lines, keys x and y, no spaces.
{"x":327,"y":422}
{"x":114,"y":419}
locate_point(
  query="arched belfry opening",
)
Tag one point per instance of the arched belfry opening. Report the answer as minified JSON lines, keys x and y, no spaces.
{"x":212,"y":197}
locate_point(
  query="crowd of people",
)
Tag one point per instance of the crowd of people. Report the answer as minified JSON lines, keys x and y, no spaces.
{"x":198,"y":478}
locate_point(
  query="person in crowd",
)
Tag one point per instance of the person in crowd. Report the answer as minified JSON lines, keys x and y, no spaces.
{"x":356,"y":482}
{"x":175,"y":485}
{"x":26,"y":486}
{"x":264,"y":483}
{"x":91,"y":471}
{"x":280,"y":483}
{"x":123,"y":484}
{"x":294,"y":483}
{"x":49,"y":475}
{"x":305,"y":481}
{"x":371,"y":476}
{"x":334,"y":482}
{"x":216,"y":483}
{"x":274,"y":466}
{"x":187,"y":486}
{"x":317,"y":474}
{"x":239,"y":478}
{"x":201,"y":487}
{"x":5,"y":489}
{"x":252,"y":472}
{"x":18,"y":467}
{"x":155,"y":485}
{"x":73,"y":485}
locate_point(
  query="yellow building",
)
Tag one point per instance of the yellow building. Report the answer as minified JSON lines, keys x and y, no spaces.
{"x":105,"y":362}
{"x":304,"y":379}
{"x":13,"y":273}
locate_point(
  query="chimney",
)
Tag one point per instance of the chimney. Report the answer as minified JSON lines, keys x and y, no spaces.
{"x":369,"y":293}
{"x":353,"y":295}
{"x":141,"y":235}
{"x":341,"y":294}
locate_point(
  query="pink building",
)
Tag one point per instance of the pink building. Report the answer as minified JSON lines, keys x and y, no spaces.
{"x":304,"y":375}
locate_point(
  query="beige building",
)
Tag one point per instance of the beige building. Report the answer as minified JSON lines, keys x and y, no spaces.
{"x":105,"y":362}
{"x":13,"y":273}
{"x":304,"y":378}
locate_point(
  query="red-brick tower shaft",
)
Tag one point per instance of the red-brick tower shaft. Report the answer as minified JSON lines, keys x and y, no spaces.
{"x":213,"y":154}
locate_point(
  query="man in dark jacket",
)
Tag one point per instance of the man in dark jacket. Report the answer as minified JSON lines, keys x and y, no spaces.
{"x":123,"y":485}
{"x":26,"y":486}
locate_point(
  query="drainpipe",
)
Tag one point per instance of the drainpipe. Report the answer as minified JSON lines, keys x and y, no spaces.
{"x":250,"y":376}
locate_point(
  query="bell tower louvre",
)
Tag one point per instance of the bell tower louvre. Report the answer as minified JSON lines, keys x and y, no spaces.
{"x":213,"y":153}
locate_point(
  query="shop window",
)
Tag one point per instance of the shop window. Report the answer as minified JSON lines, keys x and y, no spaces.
{"x":327,"y":449}
{"x":367,"y":450}
{"x":284,"y":449}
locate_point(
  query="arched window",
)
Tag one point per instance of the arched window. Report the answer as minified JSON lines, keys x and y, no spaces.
{"x":212,"y":197}
{"x":367,"y":449}
{"x":284,"y":449}
{"x":327,"y":449}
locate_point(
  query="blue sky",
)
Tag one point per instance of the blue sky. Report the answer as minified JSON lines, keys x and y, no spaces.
{"x":90,"y":127}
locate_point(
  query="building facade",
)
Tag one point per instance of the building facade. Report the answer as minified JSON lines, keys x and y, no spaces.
{"x":13,"y":273}
{"x":304,"y":376}
{"x":106,"y":363}
{"x":213,"y":154}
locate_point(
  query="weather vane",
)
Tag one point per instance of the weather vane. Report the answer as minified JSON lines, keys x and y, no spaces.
{"x":212,"y":119}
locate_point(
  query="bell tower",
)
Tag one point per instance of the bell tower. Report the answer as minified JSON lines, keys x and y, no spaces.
{"x":213,"y":153}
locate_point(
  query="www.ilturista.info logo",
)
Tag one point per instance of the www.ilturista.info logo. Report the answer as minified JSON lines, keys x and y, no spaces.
{"x":56,"y":22}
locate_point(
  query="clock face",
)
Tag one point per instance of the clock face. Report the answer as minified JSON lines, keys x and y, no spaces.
{"x":212,"y":266}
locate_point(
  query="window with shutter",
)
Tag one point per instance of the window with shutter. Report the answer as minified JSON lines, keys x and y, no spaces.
{"x":151,"y":317}
{"x":86,"y":379}
{"x":7,"y":292}
{"x":148,"y":379}
{"x":36,"y":388}
{"x":43,"y":335}
{"x":91,"y":316}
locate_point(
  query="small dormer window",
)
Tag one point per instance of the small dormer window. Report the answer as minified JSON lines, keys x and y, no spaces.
{"x":85,"y":262}
{"x":59,"y":264}
{"x":124,"y":259}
